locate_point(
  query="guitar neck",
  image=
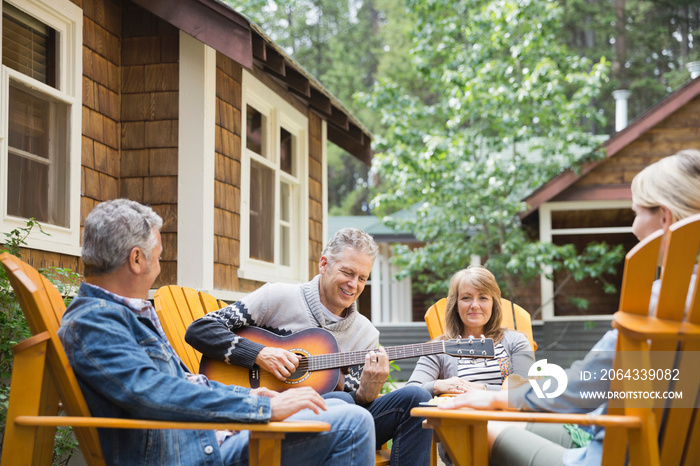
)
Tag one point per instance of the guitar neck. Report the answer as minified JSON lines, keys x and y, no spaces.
{"x":354,"y":358}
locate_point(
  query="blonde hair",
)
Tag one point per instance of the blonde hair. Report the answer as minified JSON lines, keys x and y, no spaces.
{"x":672,"y":182}
{"x":484,"y":281}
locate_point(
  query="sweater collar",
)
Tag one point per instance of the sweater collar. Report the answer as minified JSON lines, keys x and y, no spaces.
{"x":312,"y":295}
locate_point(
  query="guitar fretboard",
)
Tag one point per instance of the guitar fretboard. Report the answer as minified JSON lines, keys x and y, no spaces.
{"x":353,"y":358}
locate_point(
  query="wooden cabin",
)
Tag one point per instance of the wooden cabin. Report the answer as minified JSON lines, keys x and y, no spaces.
{"x":185,"y":105}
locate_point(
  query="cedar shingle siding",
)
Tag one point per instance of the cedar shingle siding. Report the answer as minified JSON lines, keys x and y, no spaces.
{"x":227,"y":193}
{"x":149,"y":123}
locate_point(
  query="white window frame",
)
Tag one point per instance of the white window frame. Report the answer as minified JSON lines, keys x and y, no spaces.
{"x":67,"y":20}
{"x":277,"y":113}
{"x":392,"y":301}
{"x":546,"y":234}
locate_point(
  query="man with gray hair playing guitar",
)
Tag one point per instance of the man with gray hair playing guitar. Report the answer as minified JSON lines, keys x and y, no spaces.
{"x":327,"y":302}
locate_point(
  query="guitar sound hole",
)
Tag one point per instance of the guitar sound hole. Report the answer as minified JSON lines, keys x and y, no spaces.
{"x":302,"y":371}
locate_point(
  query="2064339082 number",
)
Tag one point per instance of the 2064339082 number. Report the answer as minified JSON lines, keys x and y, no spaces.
{"x":639,"y":374}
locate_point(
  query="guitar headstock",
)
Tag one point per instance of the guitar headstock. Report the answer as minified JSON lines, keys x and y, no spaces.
{"x":470,"y":347}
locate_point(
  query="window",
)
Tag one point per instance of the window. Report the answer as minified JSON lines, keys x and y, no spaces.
{"x":274,"y":212}
{"x":40,"y":82}
{"x":579,"y":223}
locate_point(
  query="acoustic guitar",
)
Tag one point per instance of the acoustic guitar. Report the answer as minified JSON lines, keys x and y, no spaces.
{"x":321,"y":362}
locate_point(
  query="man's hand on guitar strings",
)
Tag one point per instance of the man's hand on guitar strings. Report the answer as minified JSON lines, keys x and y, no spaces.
{"x":294,"y":400}
{"x":277,"y":361}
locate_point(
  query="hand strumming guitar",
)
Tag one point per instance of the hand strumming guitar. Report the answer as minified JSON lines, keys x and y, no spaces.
{"x":277,"y":361}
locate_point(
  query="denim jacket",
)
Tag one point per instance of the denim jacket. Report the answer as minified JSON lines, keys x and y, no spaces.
{"x":126,"y":370}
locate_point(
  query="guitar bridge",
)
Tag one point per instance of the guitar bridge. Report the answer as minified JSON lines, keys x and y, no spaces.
{"x":254,"y":377}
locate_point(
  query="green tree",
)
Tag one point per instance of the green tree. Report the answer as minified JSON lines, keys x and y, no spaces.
{"x":648,"y":41}
{"x":505,"y":107}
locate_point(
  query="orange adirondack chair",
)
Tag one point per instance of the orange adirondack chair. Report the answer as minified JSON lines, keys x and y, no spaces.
{"x":42,"y":376}
{"x":514,"y":317}
{"x":650,"y":435}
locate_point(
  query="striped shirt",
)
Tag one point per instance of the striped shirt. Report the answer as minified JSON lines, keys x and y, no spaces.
{"x":486,"y":371}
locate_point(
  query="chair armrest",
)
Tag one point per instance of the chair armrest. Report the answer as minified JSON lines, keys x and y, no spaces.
{"x":471,"y":416}
{"x":117,"y":423}
{"x":644,"y":327}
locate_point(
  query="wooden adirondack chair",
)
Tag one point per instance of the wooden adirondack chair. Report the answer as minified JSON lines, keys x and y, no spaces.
{"x":647,"y":434}
{"x":42,"y":376}
{"x":178,"y":307}
{"x":514,"y":317}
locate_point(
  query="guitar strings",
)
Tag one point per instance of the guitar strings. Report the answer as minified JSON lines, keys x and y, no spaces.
{"x":353,"y":358}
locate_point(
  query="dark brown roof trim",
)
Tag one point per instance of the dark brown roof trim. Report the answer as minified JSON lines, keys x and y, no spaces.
{"x":615,"y":144}
{"x":210,"y":22}
{"x":234,"y":35}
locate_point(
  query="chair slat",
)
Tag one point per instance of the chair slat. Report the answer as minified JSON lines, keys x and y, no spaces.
{"x":680,"y":257}
{"x":639,"y":274}
{"x":171,"y":304}
{"x":209,"y":303}
{"x":694,"y":307}
{"x":677,"y":420}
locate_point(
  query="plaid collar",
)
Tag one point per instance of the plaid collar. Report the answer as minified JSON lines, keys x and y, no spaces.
{"x":140,"y":307}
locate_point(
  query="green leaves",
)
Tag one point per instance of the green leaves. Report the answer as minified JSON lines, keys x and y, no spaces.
{"x":507,"y":108}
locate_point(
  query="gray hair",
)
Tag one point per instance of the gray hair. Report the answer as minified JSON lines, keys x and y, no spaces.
{"x":113,"y":229}
{"x":673,"y":182}
{"x":353,"y":238}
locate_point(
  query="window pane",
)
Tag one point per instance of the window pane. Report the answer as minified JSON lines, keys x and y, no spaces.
{"x":28,"y":46}
{"x":286,"y":152}
{"x":255,"y":130}
{"x":38,"y":181}
{"x":262,"y":196}
{"x":27,"y":188}
{"x":590,"y":288}
{"x":29,"y":123}
{"x":592,"y":218}
{"x":284,"y":246}
{"x":285,"y":199}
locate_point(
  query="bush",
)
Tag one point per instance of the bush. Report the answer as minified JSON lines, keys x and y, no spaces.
{"x":14,"y":328}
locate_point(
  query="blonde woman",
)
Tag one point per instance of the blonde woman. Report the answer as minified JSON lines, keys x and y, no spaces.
{"x":473,"y":309}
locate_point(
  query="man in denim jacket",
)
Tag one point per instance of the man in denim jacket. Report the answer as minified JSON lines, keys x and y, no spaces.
{"x":127,"y":368}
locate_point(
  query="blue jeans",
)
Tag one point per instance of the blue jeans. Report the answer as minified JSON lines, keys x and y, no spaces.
{"x":350,"y":442}
{"x":392,"y":419}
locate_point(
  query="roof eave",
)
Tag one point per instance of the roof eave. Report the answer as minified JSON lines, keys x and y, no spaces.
{"x":234,"y":35}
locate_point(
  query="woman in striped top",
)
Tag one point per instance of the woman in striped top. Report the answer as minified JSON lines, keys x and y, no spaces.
{"x":474,"y":309}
